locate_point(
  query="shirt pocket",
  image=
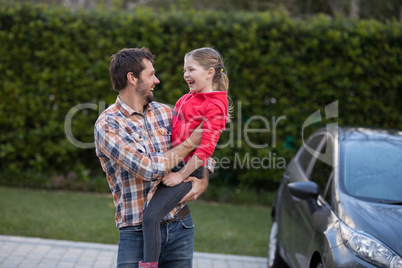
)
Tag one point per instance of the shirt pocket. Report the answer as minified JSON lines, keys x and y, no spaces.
{"x":140,"y":139}
{"x":163,"y":138}
{"x":163,"y":131}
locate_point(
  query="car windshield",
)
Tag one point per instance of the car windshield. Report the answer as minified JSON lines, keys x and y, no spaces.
{"x":373,"y":170}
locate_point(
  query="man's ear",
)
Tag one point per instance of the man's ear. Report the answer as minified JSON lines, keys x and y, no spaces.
{"x":131,"y":79}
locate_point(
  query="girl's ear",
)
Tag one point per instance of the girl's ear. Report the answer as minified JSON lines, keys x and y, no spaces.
{"x":211,"y":73}
{"x":131,"y":78}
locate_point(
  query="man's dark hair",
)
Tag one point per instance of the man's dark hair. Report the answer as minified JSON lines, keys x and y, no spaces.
{"x":127,"y":60}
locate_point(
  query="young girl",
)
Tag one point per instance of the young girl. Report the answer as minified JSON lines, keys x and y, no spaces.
{"x":207,"y":101}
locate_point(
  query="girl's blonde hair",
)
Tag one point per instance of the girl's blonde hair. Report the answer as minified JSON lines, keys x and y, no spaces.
{"x":210,"y":58}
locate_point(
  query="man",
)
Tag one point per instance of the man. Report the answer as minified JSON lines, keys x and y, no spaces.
{"x":133,"y":143}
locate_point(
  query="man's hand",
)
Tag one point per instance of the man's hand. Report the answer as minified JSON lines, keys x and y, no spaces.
{"x":199,"y":186}
{"x":172,"y":179}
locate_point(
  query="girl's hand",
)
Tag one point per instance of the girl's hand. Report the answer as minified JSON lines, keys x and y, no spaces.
{"x":172,"y":179}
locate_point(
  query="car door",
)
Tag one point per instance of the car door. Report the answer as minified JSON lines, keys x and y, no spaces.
{"x":293,"y":230}
{"x":310,"y":164}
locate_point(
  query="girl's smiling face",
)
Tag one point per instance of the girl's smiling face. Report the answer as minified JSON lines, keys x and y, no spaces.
{"x":198,"y":79}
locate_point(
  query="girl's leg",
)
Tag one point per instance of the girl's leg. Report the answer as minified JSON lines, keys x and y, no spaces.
{"x":164,"y":200}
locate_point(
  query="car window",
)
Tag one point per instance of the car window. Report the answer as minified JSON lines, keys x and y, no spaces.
{"x":372,"y":169}
{"x":322,"y":175}
{"x":322,"y":170}
{"x":328,"y":189}
{"x":305,"y":156}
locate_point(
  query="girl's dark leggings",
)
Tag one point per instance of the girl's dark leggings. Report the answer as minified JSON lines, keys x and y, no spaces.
{"x":164,"y":200}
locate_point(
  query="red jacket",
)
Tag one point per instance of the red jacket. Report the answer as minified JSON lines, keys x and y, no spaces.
{"x":191,"y":109}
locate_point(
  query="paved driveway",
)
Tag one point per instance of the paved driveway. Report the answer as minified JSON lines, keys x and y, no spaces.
{"x":47,"y":253}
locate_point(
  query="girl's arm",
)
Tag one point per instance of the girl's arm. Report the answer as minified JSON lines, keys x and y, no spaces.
{"x":215,"y":120}
{"x":194,"y":163}
{"x":174,"y":178}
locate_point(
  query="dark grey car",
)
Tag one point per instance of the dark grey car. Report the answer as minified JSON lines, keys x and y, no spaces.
{"x":340,"y":202}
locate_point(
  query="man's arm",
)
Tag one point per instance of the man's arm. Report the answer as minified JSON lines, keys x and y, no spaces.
{"x":198,"y":187}
{"x":175,"y":155}
{"x":113,"y":142}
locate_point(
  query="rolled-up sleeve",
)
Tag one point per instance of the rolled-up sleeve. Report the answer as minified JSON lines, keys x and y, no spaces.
{"x":116,"y":143}
{"x":158,"y":164}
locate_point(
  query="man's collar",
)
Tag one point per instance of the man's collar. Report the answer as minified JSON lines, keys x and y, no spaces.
{"x":127,"y":110}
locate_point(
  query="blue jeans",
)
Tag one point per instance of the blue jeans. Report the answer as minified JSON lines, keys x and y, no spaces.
{"x":177,"y":245}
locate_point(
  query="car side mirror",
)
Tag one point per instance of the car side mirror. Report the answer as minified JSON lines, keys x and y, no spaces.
{"x":308,"y":191}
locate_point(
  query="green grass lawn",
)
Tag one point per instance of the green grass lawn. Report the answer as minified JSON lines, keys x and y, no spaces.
{"x":219,"y":228}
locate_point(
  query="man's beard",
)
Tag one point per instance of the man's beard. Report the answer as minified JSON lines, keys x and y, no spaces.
{"x":146,"y":93}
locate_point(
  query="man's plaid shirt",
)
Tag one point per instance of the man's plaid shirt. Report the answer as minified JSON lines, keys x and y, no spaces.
{"x":130,"y":147}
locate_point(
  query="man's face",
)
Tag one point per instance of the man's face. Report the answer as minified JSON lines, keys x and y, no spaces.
{"x":146,"y":82}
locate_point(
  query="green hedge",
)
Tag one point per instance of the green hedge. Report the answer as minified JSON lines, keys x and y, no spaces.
{"x":280,"y":69}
